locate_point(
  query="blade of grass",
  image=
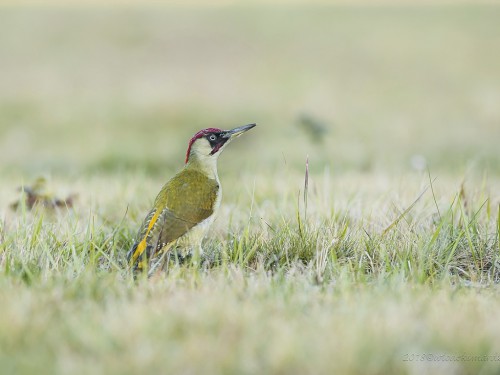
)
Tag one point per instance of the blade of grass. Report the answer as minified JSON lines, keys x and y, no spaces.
{"x":403,"y":214}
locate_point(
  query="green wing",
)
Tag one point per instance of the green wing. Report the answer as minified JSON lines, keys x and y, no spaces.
{"x":157,"y":232}
{"x":186,"y":200}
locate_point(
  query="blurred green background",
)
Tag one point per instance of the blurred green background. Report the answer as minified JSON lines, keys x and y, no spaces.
{"x":85,"y":89}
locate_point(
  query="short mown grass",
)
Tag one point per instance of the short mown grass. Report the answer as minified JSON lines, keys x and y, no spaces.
{"x":328,"y":292}
{"x":359,"y":230}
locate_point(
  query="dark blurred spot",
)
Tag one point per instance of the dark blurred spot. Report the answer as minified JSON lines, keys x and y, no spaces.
{"x":37,"y":195}
{"x":314,"y":127}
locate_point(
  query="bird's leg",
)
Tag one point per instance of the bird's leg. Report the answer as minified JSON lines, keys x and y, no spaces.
{"x":179,"y":256}
{"x":194,"y":256}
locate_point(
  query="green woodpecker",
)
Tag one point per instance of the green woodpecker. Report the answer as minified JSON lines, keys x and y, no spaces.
{"x":187,"y":203}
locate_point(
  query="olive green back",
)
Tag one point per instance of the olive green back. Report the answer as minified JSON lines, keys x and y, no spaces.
{"x":185,"y":201}
{"x":190,"y":195}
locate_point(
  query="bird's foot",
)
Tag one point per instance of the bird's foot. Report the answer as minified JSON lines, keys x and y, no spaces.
{"x":178,"y":258}
{"x":193,"y":259}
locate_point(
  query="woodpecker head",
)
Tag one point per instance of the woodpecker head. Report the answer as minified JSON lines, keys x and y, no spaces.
{"x":209,"y":143}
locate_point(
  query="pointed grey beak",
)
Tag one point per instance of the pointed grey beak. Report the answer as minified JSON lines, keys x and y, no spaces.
{"x":236,"y":132}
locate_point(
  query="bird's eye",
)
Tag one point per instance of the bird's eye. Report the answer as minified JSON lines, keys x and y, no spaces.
{"x":213,"y":137}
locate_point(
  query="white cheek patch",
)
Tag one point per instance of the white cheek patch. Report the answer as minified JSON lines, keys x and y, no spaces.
{"x":202,"y":147}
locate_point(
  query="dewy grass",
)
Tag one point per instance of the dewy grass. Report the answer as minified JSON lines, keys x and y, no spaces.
{"x":456,"y":241}
{"x":366,"y":262}
{"x":343,"y":294}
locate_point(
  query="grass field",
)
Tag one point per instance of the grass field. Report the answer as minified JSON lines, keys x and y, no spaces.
{"x":388,"y":262}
